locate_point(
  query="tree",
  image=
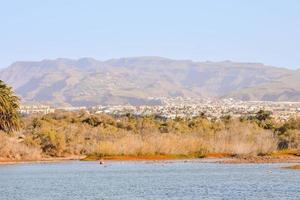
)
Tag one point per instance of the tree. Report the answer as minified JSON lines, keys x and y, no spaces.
{"x":9,"y":106}
{"x":262,"y":118}
{"x":263,"y":115}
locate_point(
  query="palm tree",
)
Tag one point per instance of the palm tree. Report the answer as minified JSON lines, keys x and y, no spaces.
{"x":9,"y":106}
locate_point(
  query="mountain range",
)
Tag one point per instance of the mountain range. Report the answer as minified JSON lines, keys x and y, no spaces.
{"x":87,"y":81}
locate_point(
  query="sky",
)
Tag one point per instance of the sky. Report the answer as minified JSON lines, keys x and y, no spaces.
{"x":266,"y":31}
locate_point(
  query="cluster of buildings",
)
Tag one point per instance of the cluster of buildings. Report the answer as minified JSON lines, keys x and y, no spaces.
{"x":45,"y":109}
{"x":188,"y":107}
{"x":211,"y":108}
{"x":35,"y":109}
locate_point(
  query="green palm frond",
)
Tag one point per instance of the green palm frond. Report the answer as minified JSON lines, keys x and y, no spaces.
{"x":9,"y":106}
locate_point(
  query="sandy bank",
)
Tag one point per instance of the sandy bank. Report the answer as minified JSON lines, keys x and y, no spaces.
{"x":213,"y":158}
{"x":42,"y":160}
{"x":293,"y":167}
{"x":261,"y":159}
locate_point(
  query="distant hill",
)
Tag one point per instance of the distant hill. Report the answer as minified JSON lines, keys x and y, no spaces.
{"x":88,"y":81}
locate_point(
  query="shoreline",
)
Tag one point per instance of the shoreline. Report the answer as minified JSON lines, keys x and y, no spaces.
{"x":42,"y":160}
{"x":213,"y":158}
{"x":261,"y":160}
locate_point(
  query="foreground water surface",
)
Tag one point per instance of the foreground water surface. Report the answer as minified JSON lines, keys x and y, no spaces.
{"x":148,"y":180}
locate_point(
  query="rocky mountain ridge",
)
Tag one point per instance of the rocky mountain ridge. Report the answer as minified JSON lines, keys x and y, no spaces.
{"x":88,"y":81}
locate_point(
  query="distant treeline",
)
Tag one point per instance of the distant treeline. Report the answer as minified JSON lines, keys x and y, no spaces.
{"x":80,"y":133}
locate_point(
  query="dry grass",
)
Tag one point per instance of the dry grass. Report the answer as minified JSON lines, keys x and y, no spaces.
{"x":12,"y":149}
{"x":154,"y":144}
{"x":242,"y":139}
{"x":286,"y":152}
{"x":65,"y":134}
{"x":237,"y":139}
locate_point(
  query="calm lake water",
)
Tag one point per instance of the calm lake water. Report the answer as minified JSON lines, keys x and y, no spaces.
{"x":148,"y":180}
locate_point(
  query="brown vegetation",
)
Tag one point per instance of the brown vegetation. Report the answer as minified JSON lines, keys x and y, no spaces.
{"x":12,"y":149}
{"x":63,"y":134}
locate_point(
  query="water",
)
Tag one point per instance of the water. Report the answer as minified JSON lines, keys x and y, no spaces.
{"x":148,"y":180}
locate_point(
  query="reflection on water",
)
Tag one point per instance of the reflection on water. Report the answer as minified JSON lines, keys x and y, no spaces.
{"x":148,"y":180}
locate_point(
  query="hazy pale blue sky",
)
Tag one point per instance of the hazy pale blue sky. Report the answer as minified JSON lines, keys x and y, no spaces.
{"x":266,"y":31}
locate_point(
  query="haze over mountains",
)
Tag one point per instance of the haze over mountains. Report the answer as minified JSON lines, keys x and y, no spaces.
{"x":86,"y":81}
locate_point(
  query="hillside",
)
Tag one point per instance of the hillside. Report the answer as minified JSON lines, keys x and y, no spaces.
{"x":88,"y":81}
